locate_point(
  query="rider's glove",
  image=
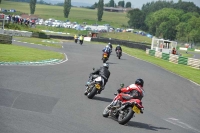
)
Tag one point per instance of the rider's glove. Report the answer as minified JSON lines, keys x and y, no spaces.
{"x":119,"y":90}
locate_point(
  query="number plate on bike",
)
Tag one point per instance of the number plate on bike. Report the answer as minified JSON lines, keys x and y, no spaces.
{"x":135,"y":109}
{"x":105,"y":56}
{"x":97,"y":86}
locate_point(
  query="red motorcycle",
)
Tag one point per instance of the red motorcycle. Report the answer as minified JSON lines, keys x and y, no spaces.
{"x":123,"y":108}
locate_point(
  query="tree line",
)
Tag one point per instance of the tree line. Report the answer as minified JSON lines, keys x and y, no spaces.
{"x":168,"y":20}
{"x":112,"y":3}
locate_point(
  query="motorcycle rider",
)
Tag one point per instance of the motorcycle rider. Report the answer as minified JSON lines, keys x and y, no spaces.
{"x":103,"y":72}
{"x":135,"y":91}
{"x":81,"y":38}
{"x":107,"y":50}
{"x":110,"y":45}
{"x":75,"y":37}
{"x":118,"y":48}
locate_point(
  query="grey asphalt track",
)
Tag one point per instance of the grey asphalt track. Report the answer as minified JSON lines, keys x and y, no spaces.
{"x":50,"y":99}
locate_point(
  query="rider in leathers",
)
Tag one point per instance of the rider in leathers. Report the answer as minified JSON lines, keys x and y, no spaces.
{"x":103,"y":72}
{"x":118,"y":48}
{"x":135,"y":91}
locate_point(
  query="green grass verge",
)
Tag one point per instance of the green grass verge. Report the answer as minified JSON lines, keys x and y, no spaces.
{"x":45,"y":42}
{"x":182,"y":70}
{"x":184,"y":54}
{"x":14,"y":53}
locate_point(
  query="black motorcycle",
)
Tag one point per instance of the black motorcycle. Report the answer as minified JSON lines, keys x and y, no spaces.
{"x":80,"y":42}
{"x":94,"y":86}
{"x":76,"y":40}
{"x":119,"y":53}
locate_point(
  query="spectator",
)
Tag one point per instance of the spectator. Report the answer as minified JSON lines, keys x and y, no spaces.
{"x":174,"y":51}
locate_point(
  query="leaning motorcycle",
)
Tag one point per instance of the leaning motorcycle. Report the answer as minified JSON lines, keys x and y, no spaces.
{"x":105,"y":57}
{"x":119,"y":53}
{"x":94,"y":86}
{"x":123,"y":108}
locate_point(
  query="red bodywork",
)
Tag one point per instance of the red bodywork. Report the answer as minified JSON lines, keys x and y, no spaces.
{"x":123,"y":100}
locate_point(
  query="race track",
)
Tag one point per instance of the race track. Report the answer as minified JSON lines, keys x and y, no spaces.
{"x":50,"y":99}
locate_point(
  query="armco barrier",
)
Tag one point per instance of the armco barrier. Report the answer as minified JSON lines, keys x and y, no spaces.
{"x":147,"y":51}
{"x":129,"y":44}
{"x":194,"y":63}
{"x":173,"y":58}
{"x":5,"y":39}
{"x":158,"y":54}
{"x":17,"y":33}
{"x":62,"y":37}
{"x":182,"y":60}
{"x":152,"y":52}
{"x":165,"y":56}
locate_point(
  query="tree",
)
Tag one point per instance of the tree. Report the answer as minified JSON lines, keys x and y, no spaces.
{"x":67,"y":7}
{"x":32,"y":6}
{"x":100,"y":10}
{"x":0,"y":1}
{"x":163,"y":23}
{"x":136,"y":18}
{"x":112,"y":3}
{"x":121,"y":3}
{"x":128,"y":4}
{"x":95,"y":5}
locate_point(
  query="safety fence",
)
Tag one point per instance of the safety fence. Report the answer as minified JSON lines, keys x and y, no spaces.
{"x":195,"y":63}
{"x":5,"y":39}
{"x":17,"y":33}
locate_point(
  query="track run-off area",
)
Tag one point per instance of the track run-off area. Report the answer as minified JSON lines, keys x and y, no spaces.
{"x":50,"y":99}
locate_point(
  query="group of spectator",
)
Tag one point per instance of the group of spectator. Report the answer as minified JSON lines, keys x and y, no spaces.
{"x":18,"y":20}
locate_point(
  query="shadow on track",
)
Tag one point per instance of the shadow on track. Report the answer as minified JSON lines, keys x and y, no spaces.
{"x":145,"y":126}
{"x":111,"y":63}
{"x":103,"y":99}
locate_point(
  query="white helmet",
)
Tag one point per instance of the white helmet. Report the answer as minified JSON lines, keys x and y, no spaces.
{"x":106,"y":65}
{"x":107,"y":46}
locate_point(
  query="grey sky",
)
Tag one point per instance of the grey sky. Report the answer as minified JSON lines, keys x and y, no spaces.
{"x":135,"y":3}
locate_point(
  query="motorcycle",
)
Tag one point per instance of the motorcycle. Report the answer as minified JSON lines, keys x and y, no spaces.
{"x":94,"y":86}
{"x":105,"y":57}
{"x":123,"y":108}
{"x":76,"y":40}
{"x":81,"y":42}
{"x":119,"y":53}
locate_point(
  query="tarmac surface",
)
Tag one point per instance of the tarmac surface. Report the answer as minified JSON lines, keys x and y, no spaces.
{"x":50,"y":99}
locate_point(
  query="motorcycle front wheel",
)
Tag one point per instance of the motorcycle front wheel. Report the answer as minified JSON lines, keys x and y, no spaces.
{"x":125,"y":116}
{"x":106,"y":112}
{"x":92,"y":93}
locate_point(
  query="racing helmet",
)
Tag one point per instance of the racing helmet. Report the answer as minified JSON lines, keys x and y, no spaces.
{"x":139,"y":82}
{"x":106,"y":65}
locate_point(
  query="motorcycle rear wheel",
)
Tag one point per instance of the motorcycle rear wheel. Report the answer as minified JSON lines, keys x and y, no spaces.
{"x":92,"y":93}
{"x":104,"y":60}
{"x":124,"y":119}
